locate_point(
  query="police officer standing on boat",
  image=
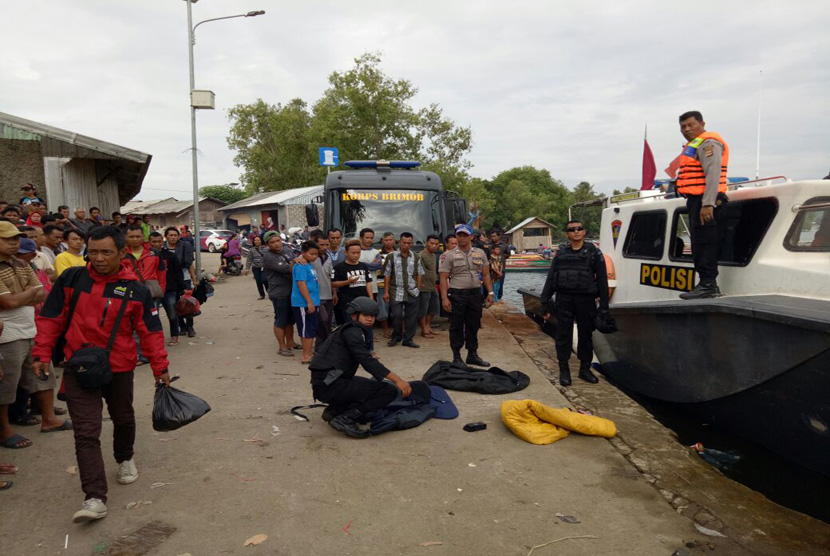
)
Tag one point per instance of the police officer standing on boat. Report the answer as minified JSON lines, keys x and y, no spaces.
{"x":461,"y":272}
{"x":701,"y":179}
{"x":578,"y":277}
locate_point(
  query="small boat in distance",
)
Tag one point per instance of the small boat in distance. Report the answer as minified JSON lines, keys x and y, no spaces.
{"x":528,"y":262}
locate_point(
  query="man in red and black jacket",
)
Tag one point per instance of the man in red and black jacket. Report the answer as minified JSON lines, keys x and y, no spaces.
{"x":104,"y":284}
{"x":144,"y":261}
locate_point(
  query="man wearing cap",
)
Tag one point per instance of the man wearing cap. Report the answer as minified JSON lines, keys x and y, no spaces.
{"x":20,"y":291}
{"x":333,"y":369}
{"x":461,"y":272}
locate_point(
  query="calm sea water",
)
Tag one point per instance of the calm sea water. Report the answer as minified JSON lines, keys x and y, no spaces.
{"x":522,"y":279}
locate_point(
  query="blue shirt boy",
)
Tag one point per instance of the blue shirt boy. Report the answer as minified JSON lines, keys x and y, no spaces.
{"x":304,"y":273}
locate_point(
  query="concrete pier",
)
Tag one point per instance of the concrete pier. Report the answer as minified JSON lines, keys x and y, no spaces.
{"x":250,"y":468}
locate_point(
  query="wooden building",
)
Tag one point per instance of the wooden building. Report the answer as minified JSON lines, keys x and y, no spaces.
{"x":531,"y":232}
{"x":67,"y":168}
{"x":272,"y":208}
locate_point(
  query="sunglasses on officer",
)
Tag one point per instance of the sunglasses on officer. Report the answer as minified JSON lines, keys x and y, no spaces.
{"x":575,"y":229}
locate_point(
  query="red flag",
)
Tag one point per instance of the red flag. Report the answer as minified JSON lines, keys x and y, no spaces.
{"x":649,"y":167}
{"x":674,"y":166}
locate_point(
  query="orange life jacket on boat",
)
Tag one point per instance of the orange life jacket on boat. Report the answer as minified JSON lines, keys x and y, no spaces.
{"x":690,"y":179}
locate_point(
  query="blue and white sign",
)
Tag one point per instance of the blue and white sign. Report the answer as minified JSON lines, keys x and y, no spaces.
{"x":329,"y":156}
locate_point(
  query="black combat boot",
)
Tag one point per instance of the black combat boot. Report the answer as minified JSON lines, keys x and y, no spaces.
{"x":704,"y":290}
{"x":586,"y":374}
{"x":346,"y":423}
{"x":474,"y":359}
{"x":564,"y":374}
{"x":330,"y":413}
{"x":457,"y":361}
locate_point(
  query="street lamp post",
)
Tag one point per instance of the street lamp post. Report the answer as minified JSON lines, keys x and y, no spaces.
{"x":191,"y":41}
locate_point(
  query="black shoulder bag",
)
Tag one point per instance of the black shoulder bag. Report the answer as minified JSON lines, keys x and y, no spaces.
{"x":91,"y":364}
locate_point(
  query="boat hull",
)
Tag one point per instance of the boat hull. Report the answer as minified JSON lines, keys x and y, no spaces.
{"x":758,"y":367}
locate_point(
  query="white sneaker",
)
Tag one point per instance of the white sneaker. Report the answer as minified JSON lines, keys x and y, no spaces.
{"x":127,"y":473}
{"x":92,"y":509}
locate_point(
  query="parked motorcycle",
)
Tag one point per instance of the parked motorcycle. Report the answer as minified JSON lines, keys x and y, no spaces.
{"x":234,"y":266}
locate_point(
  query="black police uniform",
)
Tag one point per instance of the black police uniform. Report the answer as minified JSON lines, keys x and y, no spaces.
{"x":577,"y":278}
{"x":333,"y":369}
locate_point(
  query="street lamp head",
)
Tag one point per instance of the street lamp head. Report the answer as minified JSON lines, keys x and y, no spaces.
{"x":255,"y":13}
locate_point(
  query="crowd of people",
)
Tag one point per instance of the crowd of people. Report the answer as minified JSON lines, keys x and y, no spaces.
{"x":70,"y":284}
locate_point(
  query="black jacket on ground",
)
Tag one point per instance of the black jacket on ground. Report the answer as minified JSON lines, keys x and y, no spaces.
{"x":468,"y":379}
{"x":347,"y":349}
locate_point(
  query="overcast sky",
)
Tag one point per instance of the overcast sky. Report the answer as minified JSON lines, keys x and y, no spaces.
{"x":567,"y":86}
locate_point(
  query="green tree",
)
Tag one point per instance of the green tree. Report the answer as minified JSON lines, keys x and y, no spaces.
{"x":227,"y":193}
{"x":626,"y":190}
{"x":272,"y":145}
{"x":591,"y":216}
{"x":364,"y":113}
{"x":526,"y":191}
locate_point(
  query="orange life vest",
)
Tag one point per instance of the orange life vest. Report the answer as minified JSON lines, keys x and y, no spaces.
{"x":690,"y":179}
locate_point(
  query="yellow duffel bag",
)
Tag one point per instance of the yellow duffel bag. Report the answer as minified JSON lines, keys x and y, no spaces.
{"x":537,"y":423}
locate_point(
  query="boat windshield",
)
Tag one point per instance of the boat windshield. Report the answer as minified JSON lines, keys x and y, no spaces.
{"x":386,"y":210}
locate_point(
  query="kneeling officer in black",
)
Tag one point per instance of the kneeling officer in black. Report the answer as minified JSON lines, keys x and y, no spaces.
{"x":577,"y":276}
{"x":333,"y":369}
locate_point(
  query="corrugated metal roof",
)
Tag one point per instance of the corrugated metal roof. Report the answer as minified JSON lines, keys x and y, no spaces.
{"x":527,"y":221}
{"x":162,"y":206}
{"x":296,"y":196}
{"x":44,"y":130}
{"x":132,"y":206}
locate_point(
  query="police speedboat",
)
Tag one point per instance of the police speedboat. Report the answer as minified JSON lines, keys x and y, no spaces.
{"x":756,"y":361}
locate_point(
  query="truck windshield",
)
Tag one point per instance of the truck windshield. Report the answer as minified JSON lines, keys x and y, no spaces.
{"x":386,"y":210}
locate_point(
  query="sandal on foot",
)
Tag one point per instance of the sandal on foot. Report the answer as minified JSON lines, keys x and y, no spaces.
{"x":5,"y":485}
{"x":65,"y":426}
{"x":16,"y":442}
{"x":297,"y":347}
{"x":27,"y":421}
{"x":286,"y":353}
{"x":8,"y":469}
{"x":305,"y":361}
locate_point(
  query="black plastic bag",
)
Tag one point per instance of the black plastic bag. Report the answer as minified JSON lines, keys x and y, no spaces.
{"x":173,"y":409}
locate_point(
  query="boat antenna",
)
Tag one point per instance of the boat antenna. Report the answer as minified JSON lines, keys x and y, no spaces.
{"x":758,"y":143}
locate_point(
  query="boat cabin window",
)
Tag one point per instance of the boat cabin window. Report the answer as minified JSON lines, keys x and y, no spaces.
{"x":646,"y":235}
{"x":811,"y":229}
{"x":743,"y":225}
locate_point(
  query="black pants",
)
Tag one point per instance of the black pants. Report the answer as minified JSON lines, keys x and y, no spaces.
{"x":704,"y":240}
{"x":85,"y":408}
{"x":465,"y":319}
{"x":579,"y":308}
{"x":261,"y":281}
{"x":400,"y":312}
{"x":364,"y":394}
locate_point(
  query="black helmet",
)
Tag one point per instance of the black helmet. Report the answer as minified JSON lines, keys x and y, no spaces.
{"x":605,"y":323}
{"x":363,"y":305}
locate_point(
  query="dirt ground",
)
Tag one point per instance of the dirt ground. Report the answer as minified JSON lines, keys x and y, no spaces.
{"x":250,"y":468}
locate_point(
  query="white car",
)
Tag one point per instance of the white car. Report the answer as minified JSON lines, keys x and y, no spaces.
{"x":214,"y":240}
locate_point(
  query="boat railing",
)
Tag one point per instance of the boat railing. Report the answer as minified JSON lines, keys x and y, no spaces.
{"x":797,"y":208}
{"x":619,"y":199}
